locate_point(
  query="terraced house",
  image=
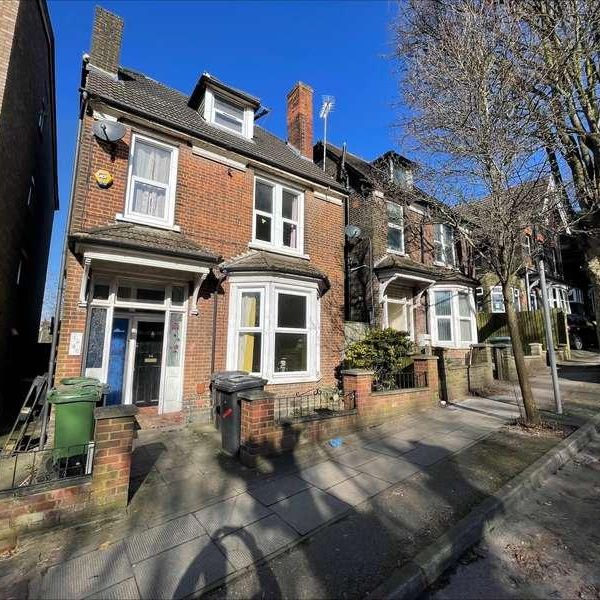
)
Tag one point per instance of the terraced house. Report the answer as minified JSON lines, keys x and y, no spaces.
{"x":198,"y":241}
{"x":407,"y":268}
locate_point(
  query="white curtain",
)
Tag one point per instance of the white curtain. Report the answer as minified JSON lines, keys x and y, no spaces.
{"x":151,"y":163}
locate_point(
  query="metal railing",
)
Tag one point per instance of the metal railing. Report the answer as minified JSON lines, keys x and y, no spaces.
{"x":400,"y":380}
{"x":320,"y":404}
{"x":23,"y":469}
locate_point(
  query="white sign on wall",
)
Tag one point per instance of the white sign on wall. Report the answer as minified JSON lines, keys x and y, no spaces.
{"x":75,"y":343}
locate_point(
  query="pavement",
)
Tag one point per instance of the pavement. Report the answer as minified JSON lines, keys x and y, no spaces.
{"x":319,"y":522}
{"x":185,"y":554}
{"x":547,"y":548}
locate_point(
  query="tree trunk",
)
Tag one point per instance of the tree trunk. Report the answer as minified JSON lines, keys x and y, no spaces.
{"x":531,"y":412}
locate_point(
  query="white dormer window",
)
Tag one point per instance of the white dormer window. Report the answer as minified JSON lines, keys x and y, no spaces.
{"x":151,"y":183}
{"x":228,"y":114}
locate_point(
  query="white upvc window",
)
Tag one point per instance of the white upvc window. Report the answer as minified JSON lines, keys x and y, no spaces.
{"x":516,"y":298}
{"x":226,"y":113}
{"x":443,"y":242}
{"x":526,"y":244}
{"x":278,"y":216}
{"x":274,"y":329}
{"x":151,"y":182}
{"x":398,"y":315}
{"x":452,"y":313}
{"x":497,"y":300}
{"x":395,"y":232}
{"x":558,"y":298}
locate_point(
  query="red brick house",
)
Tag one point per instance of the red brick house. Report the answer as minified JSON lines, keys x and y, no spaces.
{"x":407,"y":269}
{"x":198,"y":241}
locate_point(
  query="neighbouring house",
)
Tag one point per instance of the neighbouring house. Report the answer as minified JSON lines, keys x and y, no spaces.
{"x":198,"y":241}
{"x":28,"y":190}
{"x":406,"y":268}
{"x":526,"y":292}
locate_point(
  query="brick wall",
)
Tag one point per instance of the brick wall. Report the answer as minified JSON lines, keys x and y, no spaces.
{"x":214,"y":208}
{"x":262,"y":436}
{"x":26,"y":87}
{"x":106,"y":489}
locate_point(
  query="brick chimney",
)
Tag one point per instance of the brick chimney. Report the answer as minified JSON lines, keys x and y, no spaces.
{"x":300,"y":119}
{"x":107,"y":35}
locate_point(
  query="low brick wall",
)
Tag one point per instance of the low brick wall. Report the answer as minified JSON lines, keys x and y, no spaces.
{"x":262,"y":436}
{"x":105,"y":489}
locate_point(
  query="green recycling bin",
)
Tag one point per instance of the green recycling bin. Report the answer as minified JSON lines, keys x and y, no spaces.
{"x":86,"y":382}
{"x":74,"y":419}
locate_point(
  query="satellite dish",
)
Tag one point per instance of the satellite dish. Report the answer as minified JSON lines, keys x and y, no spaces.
{"x":108,"y":131}
{"x":352,"y":231}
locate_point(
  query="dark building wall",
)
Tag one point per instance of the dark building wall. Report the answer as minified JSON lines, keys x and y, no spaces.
{"x":26,"y":151}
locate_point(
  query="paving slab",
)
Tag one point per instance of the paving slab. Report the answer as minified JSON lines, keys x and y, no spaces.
{"x":424,"y":455}
{"x":390,"y":469}
{"x":391,"y":446}
{"x":87,"y":574}
{"x":126,"y":590}
{"x":309,"y":509}
{"x":326,"y":474}
{"x":357,"y":489}
{"x":182,"y":570}
{"x":223,"y":517}
{"x":355,"y":458}
{"x":278,"y":489}
{"x":141,"y":546}
{"x":256,"y":541}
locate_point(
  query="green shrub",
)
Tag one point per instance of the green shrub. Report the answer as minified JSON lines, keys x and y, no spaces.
{"x":384,"y":351}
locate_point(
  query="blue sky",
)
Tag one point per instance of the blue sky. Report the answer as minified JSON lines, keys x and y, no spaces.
{"x":339,"y":48}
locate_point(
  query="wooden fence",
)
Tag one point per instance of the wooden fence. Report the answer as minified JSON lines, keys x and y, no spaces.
{"x":531,"y":325}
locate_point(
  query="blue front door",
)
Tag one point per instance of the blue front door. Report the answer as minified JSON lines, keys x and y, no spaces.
{"x":116,"y":360}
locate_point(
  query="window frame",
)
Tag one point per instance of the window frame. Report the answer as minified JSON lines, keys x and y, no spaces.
{"x":170,"y":188}
{"x":408,"y":306}
{"x":392,"y":225}
{"x":454,"y":317}
{"x":277,"y":218}
{"x":209,"y":109}
{"x":245,"y":329}
{"x":497,"y":290}
{"x":271,"y":287}
{"x":444,"y":243}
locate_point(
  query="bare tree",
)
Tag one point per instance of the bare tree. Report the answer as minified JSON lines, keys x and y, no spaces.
{"x":558,"y":62}
{"x":469,"y":118}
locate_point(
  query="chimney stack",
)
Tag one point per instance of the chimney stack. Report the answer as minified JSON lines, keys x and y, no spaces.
{"x":107,"y":35}
{"x":300,"y":119}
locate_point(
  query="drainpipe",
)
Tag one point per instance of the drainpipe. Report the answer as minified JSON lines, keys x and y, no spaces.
{"x":63,"y":262}
{"x":214,"y":330}
{"x":61,"y":278}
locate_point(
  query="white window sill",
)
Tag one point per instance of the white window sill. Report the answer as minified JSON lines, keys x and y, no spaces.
{"x":231,"y":131}
{"x":277,"y":250}
{"x":438,"y":263}
{"x":452,"y":345}
{"x":121,"y":217}
{"x":280,"y":380}
{"x":396,"y":252}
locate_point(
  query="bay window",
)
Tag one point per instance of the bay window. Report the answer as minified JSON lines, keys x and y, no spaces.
{"x":443,"y":244}
{"x":278,"y":217}
{"x":395,"y":233}
{"x":453,"y":317}
{"x":497,"y":299}
{"x":274,"y":329}
{"x":151,"y":182}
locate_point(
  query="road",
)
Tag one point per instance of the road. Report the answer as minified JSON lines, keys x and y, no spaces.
{"x":548,"y":547}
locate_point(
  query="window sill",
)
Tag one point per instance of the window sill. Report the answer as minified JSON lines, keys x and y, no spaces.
{"x":282,"y":380}
{"x":277,"y":250}
{"x":438,"y":263}
{"x":121,"y":217}
{"x":396,"y":252}
{"x":231,"y":131}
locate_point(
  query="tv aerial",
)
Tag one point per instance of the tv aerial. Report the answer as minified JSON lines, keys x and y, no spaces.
{"x":326,"y":108}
